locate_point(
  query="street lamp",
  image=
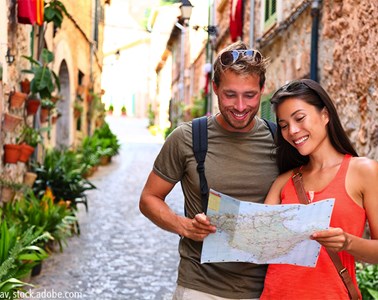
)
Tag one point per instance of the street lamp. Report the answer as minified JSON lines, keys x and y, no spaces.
{"x":9,"y":58}
{"x":186,"y":9}
{"x":186,"y":12}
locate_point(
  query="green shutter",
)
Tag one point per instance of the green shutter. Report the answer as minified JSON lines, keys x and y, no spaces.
{"x":266,"y":108}
{"x":270,"y":13}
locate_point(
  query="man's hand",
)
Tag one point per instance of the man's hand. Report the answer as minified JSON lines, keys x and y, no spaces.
{"x":198,"y":228}
{"x":334,"y":239}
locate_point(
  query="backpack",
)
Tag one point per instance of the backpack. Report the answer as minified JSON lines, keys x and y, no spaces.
{"x":199,"y":138}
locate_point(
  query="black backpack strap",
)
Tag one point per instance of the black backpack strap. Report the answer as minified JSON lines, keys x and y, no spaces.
{"x":199,"y":137}
{"x":272,"y":127}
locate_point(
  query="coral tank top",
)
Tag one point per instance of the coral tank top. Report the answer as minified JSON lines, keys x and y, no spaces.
{"x":285,"y":281}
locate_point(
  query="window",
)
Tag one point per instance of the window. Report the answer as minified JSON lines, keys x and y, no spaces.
{"x":266,"y":109}
{"x":270,"y":13}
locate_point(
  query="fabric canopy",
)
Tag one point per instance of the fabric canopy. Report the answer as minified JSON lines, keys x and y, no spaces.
{"x":30,"y":11}
{"x":236,"y":20}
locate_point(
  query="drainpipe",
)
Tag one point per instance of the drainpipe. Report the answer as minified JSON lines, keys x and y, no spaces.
{"x":252,"y":24}
{"x":315,"y":9}
{"x":181,"y":85}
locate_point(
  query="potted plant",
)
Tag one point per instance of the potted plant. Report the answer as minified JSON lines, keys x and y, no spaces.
{"x":123,"y":110}
{"x":78,"y":109}
{"x":11,"y":153}
{"x":10,"y":122}
{"x":110,"y":109}
{"x":9,"y":189}
{"x":17,"y":99}
{"x":46,"y":106}
{"x":28,"y":140}
{"x":44,"y":81}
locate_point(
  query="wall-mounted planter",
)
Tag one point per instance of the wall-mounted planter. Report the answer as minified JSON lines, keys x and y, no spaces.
{"x":7,"y":194}
{"x":32,"y":106}
{"x":10,"y":122}
{"x":11,"y":153}
{"x":30,"y":178}
{"x":44,"y":115}
{"x":25,"y":152}
{"x":25,"y":86}
{"x":17,"y":99}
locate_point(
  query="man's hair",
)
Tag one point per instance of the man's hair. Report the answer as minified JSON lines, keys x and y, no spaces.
{"x":312,"y":93}
{"x":244,"y":65}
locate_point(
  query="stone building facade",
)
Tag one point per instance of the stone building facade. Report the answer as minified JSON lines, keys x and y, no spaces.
{"x":77,"y":49}
{"x":331,"y":41}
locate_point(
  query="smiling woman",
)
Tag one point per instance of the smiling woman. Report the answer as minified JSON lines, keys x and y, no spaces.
{"x":311,"y":140}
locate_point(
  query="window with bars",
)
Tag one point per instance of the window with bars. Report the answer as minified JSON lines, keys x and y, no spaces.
{"x":270,"y":13}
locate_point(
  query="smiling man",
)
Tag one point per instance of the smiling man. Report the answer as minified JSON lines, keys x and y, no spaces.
{"x":240,"y":162}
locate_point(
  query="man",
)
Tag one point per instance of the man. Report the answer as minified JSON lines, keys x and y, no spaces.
{"x":240,"y":162}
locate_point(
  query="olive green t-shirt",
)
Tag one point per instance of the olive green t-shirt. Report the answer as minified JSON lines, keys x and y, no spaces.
{"x":241,"y":165}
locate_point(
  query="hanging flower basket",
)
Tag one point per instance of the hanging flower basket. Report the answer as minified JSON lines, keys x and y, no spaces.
{"x":11,"y":153}
{"x":25,"y":152}
{"x":32,"y":106}
{"x":17,"y":99}
{"x":11,"y":122}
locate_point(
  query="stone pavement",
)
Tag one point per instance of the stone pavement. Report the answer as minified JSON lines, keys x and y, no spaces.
{"x":120,"y":254}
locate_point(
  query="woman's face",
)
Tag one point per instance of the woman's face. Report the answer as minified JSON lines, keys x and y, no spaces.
{"x":302,"y":125}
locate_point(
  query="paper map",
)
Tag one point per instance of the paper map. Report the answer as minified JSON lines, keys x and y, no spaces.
{"x":260,"y":233}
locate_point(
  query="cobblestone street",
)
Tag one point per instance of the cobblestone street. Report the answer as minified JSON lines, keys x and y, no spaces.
{"x":120,"y":254}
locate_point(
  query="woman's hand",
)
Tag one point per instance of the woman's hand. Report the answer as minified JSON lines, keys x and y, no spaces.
{"x":334,"y":239}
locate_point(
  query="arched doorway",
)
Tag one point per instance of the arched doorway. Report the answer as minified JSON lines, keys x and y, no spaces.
{"x":63,"y":127}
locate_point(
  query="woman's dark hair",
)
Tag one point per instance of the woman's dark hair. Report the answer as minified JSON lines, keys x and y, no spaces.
{"x":311,"y":92}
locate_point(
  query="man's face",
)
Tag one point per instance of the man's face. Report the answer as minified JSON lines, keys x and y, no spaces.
{"x":238,"y":100}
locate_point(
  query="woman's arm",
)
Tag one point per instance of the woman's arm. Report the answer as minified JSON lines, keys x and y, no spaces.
{"x":362,"y":186}
{"x":274,"y":194}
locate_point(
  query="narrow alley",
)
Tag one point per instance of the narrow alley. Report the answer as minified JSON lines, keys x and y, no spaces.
{"x":120,"y":254}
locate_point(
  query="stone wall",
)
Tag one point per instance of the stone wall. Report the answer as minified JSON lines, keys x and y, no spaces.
{"x":349,"y":68}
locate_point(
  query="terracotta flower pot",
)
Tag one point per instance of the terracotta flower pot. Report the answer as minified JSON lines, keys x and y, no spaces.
{"x":32,"y":106}
{"x":30,"y":178}
{"x":7,"y":194}
{"x":25,"y":152}
{"x":44,"y":115}
{"x":25,"y":86}
{"x":17,"y":99}
{"x":11,"y":122}
{"x":11,"y":153}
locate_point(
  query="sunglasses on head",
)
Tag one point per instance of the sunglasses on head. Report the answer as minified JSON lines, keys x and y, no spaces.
{"x":228,"y":58}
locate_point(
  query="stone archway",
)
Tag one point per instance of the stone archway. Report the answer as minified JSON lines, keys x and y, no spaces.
{"x":63,"y":124}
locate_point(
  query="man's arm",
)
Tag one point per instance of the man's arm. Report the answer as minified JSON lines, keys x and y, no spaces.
{"x":153,"y":206}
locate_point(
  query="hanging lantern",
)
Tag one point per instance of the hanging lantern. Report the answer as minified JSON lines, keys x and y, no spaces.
{"x":30,"y":12}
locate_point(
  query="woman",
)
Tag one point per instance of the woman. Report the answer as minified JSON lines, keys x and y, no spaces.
{"x":310,"y":136}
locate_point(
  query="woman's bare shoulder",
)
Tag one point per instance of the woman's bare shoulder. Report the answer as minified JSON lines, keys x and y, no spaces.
{"x":364,"y":166}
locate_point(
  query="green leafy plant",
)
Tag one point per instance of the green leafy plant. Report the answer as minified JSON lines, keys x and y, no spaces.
{"x":54,"y":11}
{"x":19,"y":254}
{"x":367,"y":278}
{"x":61,"y":171}
{"x":198,"y":108}
{"x":31,"y":136}
{"x":107,"y":141}
{"x":45,"y":81}
{"x":47,"y":103}
{"x":56,"y":218}
{"x":78,"y":106}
